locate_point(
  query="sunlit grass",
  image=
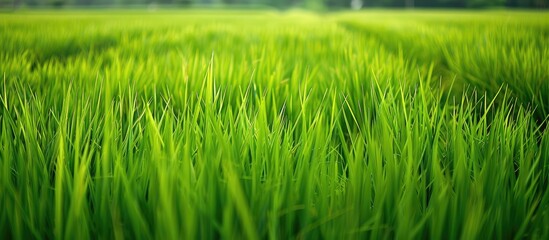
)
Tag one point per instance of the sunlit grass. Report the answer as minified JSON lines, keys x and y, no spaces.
{"x":248,"y":125}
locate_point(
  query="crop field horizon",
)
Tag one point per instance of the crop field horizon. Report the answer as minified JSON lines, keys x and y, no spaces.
{"x":230,"y":124}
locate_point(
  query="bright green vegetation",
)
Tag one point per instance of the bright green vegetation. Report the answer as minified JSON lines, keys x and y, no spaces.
{"x":252,"y":125}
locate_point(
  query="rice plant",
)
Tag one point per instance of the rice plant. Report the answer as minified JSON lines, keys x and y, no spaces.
{"x":274,"y":125}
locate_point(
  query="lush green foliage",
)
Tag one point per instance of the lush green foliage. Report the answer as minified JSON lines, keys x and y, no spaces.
{"x":186,"y":125}
{"x":284,"y":4}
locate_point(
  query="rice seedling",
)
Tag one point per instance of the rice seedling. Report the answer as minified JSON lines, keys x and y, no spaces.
{"x":251,"y":125}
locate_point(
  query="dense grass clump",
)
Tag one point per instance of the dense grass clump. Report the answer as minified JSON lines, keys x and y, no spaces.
{"x":249,"y":125}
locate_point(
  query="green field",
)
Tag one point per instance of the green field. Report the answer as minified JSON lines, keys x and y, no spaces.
{"x":274,"y":125}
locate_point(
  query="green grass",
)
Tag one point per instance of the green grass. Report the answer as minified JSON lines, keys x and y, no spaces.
{"x":253,"y":125}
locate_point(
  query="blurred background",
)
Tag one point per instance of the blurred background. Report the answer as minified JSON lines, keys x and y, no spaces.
{"x":280,"y":4}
